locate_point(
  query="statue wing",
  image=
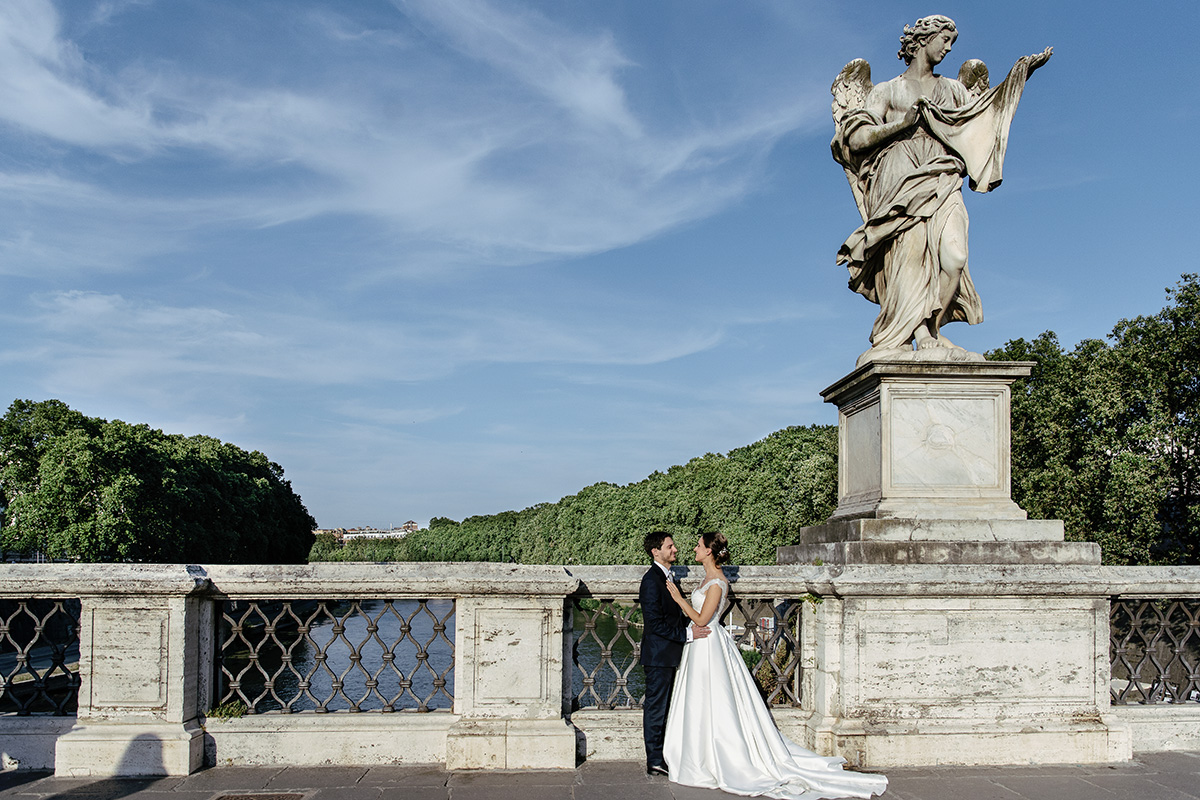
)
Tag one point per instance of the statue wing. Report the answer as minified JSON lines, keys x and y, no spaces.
{"x":850,"y":88}
{"x":974,"y":76}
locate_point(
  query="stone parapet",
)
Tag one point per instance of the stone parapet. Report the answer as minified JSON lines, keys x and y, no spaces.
{"x":912,"y":663}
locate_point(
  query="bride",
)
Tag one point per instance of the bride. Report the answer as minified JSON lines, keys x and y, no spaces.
{"x":720,"y":734}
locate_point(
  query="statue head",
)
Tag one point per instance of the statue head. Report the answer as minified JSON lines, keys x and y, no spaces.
{"x":920,"y":32}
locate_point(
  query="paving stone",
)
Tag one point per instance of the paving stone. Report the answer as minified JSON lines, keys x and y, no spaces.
{"x":693,"y":793}
{"x":360,"y":792}
{"x":1134,"y":787}
{"x":1170,"y":761}
{"x":93,"y":788}
{"x":613,"y":772}
{"x":517,"y":792}
{"x":315,"y":777}
{"x":625,"y":791}
{"x":1052,"y":787}
{"x":406,"y":775}
{"x":15,"y":778}
{"x":1187,"y":783}
{"x":231,"y":779}
{"x":558,"y":777}
{"x":956,"y":788}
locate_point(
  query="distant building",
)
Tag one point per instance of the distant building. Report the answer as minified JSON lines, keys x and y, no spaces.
{"x":344,"y":535}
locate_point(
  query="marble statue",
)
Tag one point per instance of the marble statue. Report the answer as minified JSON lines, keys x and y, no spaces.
{"x":906,"y":145}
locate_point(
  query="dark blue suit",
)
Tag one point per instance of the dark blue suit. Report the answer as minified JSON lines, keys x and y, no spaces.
{"x":663,"y":638}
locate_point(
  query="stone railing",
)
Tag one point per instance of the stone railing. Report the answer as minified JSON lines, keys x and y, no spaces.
{"x":152,"y":669}
{"x":179,"y":665}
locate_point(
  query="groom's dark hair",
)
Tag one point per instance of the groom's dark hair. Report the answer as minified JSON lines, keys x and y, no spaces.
{"x":653,"y":541}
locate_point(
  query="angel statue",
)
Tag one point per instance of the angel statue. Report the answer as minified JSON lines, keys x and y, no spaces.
{"x":906,"y":145}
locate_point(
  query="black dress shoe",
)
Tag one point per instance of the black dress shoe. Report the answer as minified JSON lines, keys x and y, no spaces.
{"x":657,"y":769}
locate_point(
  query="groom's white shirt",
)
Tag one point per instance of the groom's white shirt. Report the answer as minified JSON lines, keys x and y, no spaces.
{"x":666,"y":571}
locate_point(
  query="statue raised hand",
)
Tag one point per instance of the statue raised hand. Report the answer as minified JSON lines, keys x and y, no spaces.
{"x":906,"y":146}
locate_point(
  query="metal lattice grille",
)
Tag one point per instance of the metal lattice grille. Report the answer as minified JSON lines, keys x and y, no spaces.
{"x":39,"y":657}
{"x":1155,"y":651}
{"x":770,"y":629}
{"x":607,"y":644}
{"x":336,"y":655}
{"x":605,"y":651}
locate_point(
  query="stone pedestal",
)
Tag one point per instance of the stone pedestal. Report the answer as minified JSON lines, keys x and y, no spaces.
{"x":947,"y":640}
{"x":140,"y":687}
{"x":941,"y":667}
{"x":925,"y":441}
{"x":924,"y":459}
{"x":509,"y":683}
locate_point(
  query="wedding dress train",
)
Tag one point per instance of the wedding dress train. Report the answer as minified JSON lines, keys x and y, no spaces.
{"x":720,"y":734}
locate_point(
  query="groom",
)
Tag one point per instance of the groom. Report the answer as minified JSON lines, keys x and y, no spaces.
{"x":665,"y":633}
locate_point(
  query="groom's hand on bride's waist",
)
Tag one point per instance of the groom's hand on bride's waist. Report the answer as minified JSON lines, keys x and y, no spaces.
{"x":699,"y":632}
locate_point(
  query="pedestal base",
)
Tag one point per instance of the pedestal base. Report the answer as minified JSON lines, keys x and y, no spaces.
{"x":129,"y":749}
{"x":511,"y":744}
{"x":1097,"y":741}
{"x":911,"y":541}
{"x":938,"y":672}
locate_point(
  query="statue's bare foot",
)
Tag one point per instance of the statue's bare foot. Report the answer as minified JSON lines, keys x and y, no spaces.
{"x":924,"y":339}
{"x":944,"y":342}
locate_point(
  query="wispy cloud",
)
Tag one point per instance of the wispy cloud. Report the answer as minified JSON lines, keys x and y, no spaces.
{"x":538,"y":154}
{"x":104,"y":340}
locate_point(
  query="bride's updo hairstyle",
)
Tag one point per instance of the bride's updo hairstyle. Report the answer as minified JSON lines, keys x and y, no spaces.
{"x":716,"y":542}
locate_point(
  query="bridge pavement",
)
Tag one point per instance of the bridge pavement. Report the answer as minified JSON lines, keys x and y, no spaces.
{"x":1153,"y":776}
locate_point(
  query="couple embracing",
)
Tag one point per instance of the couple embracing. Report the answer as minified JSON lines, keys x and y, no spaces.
{"x":704,"y":721}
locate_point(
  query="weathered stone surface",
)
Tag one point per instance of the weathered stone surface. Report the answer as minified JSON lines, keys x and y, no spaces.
{"x":27,"y":743}
{"x":906,"y":146}
{"x":510,"y":744}
{"x":925,"y":441}
{"x":348,"y":579}
{"x":1162,"y":727}
{"x":312,"y":740}
{"x":941,"y":552}
{"x":934,"y":530}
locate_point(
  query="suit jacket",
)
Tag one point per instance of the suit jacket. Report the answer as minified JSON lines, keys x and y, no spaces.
{"x":665,"y":631}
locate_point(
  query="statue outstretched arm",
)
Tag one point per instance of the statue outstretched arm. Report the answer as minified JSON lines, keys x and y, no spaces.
{"x":1038,"y":59}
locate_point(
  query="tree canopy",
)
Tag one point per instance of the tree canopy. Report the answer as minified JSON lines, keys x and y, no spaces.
{"x":758,"y":496}
{"x":1106,"y":436}
{"x":84,"y":488}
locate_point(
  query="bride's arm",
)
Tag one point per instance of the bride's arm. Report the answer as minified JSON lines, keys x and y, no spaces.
{"x":712,"y":599}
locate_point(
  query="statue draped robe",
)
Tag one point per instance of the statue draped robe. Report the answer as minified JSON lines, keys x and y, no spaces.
{"x":908,"y":187}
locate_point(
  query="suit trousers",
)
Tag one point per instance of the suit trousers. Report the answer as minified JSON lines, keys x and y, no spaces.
{"x":660,"y":681}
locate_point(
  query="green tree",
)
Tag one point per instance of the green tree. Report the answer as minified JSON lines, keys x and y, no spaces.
{"x":758,"y":495}
{"x":89,"y":489}
{"x":1105,"y":437}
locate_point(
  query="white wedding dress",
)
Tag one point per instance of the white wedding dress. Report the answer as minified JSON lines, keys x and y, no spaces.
{"x":721,"y":736}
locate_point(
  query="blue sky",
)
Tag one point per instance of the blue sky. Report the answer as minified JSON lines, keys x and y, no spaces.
{"x":452,"y":257}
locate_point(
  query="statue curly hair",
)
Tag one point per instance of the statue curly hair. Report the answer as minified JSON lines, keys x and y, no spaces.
{"x":920,"y":32}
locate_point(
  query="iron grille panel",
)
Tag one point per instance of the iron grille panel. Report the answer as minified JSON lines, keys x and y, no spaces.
{"x":39,"y":657}
{"x":607,"y":645}
{"x":284,"y":656}
{"x":1154,"y":650}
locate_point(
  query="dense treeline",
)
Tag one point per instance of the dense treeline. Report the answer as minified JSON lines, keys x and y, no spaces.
{"x":87,"y":489}
{"x":758,"y":495}
{"x":1104,"y":437}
